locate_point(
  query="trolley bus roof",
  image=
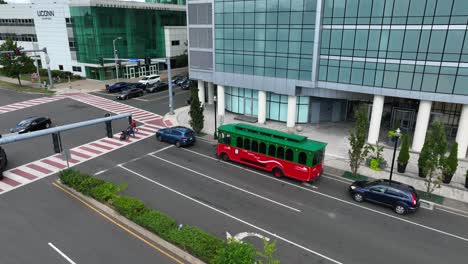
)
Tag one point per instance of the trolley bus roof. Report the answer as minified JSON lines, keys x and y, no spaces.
{"x":273,"y":136}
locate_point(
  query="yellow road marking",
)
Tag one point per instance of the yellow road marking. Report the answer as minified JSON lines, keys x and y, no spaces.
{"x":118,"y":224}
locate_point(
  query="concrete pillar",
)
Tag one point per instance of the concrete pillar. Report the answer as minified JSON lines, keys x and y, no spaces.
{"x":376,"y":118}
{"x":210,"y":92}
{"x":422,"y":122}
{"x":201,"y":91}
{"x":220,"y":100}
{"x":291,"y":121}
{"x":261,"y":107}
{"x":462,"y":133}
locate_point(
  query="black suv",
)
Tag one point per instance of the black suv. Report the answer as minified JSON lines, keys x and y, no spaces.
{"x":401,"y":197}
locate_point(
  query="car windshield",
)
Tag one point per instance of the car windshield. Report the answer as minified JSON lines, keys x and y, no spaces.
{"x":24,"y":123}
{"x":189,"y":134}
{"x":144,"y":78}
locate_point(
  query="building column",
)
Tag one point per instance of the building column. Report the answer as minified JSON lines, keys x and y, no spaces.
{"x":422,"y":122}
{"x":261,"y":107}
{"x":201,"y":92}
{"x":210,"y":92}
{"x":291,"y":121}
{"x":220,"y":100}
{"x":376,"y":118}
{"x":462,"y":133}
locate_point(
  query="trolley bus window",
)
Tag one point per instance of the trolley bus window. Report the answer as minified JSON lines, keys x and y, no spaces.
{"x":289,"y":155}
{"x":318,"y":156}
{"x":280,"y":153}
{"x":254,"y":146}
{"x":302,"y":158}
{"x":227,"y":139}
{"x":239,"y":142}
{"x":272,"y":151}
{"x":262,"y":148}
{"x":247,"y":144}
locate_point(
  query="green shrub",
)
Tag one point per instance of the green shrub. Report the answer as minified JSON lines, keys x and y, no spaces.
{"x":106,"y":191}
{"x":235,"y":253}
{"x":129,"y":206}
{"x":403,"y":156}
{"x":156,"y":222}
{"x":197,"y":242}
{"x":450,"y":164}
{"x":72,"y":178}
{"x":88,"y":184}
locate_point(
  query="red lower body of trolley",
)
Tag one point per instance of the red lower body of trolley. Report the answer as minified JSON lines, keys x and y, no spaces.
{"x":279,"y":167}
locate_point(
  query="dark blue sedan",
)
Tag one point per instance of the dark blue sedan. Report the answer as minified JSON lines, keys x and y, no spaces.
{"x":117,"y":87}
{"x":178,"y":135}
{"x":401,"y":197}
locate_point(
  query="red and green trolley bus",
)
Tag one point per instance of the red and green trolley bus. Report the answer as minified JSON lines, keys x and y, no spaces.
{"x":283,"y":154}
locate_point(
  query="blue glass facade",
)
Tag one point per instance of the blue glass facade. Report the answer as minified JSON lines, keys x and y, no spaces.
{"x":272,"y":38}
{"x":399,"y":44}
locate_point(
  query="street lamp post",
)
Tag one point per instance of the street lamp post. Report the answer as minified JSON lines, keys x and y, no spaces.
{"x":397,"y":136}
{"x":116,"y":58}
{"x":215,"y":115}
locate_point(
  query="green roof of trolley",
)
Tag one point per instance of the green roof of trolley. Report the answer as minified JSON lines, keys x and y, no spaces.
{"x":273,"y":136}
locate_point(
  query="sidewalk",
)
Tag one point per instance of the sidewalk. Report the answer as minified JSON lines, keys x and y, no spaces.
{"x":336,"y":161}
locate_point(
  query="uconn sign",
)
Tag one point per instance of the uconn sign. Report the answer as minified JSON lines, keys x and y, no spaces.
{"x":45,"y":14}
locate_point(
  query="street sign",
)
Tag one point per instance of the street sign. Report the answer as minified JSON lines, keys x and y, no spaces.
{"x":66,"y":154}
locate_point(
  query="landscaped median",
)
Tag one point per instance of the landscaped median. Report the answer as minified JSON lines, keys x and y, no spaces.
{"x":200,"y":244}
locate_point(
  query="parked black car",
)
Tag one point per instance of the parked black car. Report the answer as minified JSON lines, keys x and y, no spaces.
{"x":182,"y":80}
{"x":157,"y":87}
{"x":130,"y":93}
{"x":401,"y":197}
{"x":136,"y":85}
{"x":117,"y":87}
{"x":176,"y":79}
{"x":32,"y":124}
{"x":186,"y":85}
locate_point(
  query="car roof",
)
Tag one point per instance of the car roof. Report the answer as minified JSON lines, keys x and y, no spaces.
{"x":152,"y":75}
{"x":394,"y":184}
{"x":182,"y":128}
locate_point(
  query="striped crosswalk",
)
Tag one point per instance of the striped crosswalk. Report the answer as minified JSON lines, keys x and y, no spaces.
{"x":33,"y":171}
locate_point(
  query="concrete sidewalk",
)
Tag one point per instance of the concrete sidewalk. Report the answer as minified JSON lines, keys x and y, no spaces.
{"x":336,"y":161}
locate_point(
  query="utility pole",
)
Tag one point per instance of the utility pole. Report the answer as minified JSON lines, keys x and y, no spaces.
{"x":169,"y":81}
{"x":116,"y":57}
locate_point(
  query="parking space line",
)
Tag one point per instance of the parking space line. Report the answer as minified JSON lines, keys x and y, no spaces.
{"x":348,"y":202}
{"x":61,"y":253}
{"x":227,"y":184}
{"x":448,"y":211}
{"x":119,"y":225}
{"x":233,"y":217}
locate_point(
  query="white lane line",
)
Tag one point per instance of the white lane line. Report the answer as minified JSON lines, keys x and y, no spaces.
{"x":448,"y":211}
{"x":233,"y":217}
{"x":61,"y":253}
{"x":100,"y":172}
{"x":346,"y":202}
{"x":336,"y":179}
{"x":139,"y":99}
{"x":249,"y":170}
{"x":227,"y":184}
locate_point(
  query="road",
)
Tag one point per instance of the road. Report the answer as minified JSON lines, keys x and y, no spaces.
{"x":316,"y":223}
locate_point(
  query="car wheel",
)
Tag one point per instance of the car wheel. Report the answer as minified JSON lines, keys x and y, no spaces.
{"x":358,"y":197}
{"x":177,"y":144}
{"x":278,"y":172}
{"x":159,"y":138}
{"x":224,"y":157}
{"x":400,"y":209}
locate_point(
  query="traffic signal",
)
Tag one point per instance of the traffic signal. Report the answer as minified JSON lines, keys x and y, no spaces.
{"x":57,"y":142}
{"x":17,"y":52}
{"x":101,"y":61}
{"x":109,"y":132}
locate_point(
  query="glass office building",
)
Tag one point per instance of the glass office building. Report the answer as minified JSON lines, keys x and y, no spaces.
{"x":312,"y":61}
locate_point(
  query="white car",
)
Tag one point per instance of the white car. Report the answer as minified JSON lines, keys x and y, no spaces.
{"x":150,"y":79}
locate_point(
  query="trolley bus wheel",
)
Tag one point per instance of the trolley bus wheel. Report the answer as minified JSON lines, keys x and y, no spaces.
{"x":278,"y":172}
{"x":224,"y":157}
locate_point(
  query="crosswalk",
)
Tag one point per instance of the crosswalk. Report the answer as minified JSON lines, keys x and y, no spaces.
{"x":20,"y":176}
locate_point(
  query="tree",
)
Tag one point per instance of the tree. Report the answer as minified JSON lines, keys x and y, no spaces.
{"x":15,"y":65}
{"x":403,"y":156}
{"x":269,"y":249}
{"x":196,"y":111}
{"x":436,"y":146}
{"x":357,"y":140}
{"x":2,"y":2}
{"x":450,"y":164}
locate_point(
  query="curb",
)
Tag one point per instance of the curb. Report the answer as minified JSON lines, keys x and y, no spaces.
{"x":142,"y":231}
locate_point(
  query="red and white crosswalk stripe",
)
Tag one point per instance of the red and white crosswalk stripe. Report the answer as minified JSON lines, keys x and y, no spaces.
{"x":29,"y":103}
{"x":116,"y":107}
{"x":25,"y":174}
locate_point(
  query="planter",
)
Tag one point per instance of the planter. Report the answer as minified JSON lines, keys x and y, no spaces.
{"x":402,"y":167}
{"x":447,"y":178}
{"x":421,"y":173}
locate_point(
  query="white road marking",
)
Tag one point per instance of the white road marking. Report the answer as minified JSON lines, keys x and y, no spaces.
{"x":100,"y":172}
{"x":227,"y":184}
{"x":139,"y":99}
{"x":448,"y":211}
{"x":109,"y":94}
{"x":233,"y":217}
{"x":336,"y":179}
{"x":336,"y":156}
{"x":350,"y":203}
{"x":61,"y":253}
{"x":249,"y":170}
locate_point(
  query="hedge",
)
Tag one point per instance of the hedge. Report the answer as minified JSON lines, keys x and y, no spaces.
{"x":197,"y":242}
